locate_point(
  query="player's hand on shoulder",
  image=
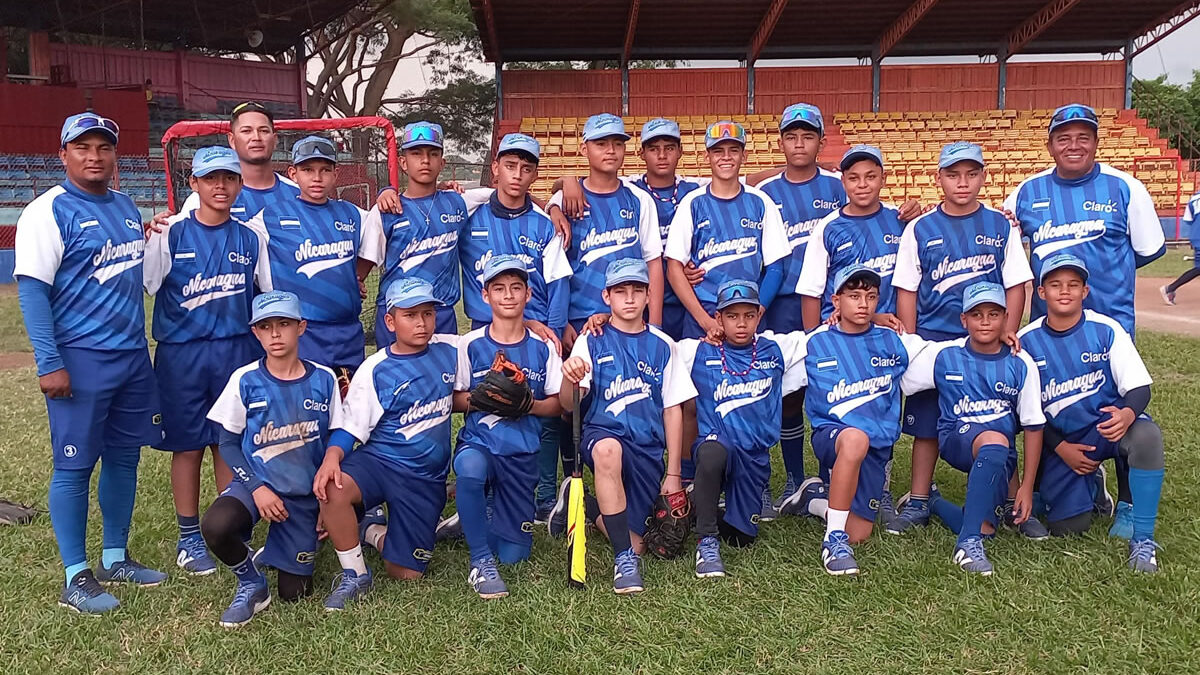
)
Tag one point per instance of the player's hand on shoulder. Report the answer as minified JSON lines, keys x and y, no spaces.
{"x":561,"y":225}
{"x":452,"y":185}
{"x":1014,"y":343}
{"x":574,"y":202}
{"x":575,"y":369}
{"x":890,"y":321}
{"x":595,"y":324}
{"x":269,"y":505}
{"x":56,"y":384}
{"x":543,"y":331}
{"x":911,"y":209}
{"x":1012,"y":218}
{"x":158,"y":223}
{"x":713,"y":333}
{"x":389,"y":201}
{"x":1072,"y":455}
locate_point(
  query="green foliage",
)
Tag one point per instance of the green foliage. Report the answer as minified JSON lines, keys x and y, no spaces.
{"x":1174,"y":109}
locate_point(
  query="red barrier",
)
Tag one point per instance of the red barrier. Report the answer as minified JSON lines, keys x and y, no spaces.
{"x":31,"y":116}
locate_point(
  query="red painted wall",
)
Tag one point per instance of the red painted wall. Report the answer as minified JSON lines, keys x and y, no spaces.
{"x":31,"y":116}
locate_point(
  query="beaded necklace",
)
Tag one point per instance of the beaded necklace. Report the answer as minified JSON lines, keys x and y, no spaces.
{"x":753,"y":358}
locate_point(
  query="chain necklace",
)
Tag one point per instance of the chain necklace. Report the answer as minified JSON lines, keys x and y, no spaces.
{"x":428,"y":213}
{"x":753,"y":358}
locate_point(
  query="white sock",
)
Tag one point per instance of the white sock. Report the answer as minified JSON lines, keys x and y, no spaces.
{"x":374,"y":535}
{"x":352,"y":560}
{"x":818,"y":507}
{"x":835,"y":519}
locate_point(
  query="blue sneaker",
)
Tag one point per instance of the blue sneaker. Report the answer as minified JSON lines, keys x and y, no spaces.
{"x":1103,"y":503}
{"x":448,"y":529}
{"x":1143,"y":556}
{"x":789,"y":489}
{"x":1032,"y":528}
{"x":797,"y":503}
{"x":836,"y":554}
{"x":911,"y":513}
{"x":130,"y":571}
{"x":767,"y":513}
{"x":371,"y":517}
{"x":485,"y":579}
{"x":192,"y":557}
{"x":348,"y":586}
{"x":970,"y":556}
{"x":1122,"y":527}
{"x":708,"y":558}
{"x":541,"y":513}
{"x":627,"y":577}
{"x":85,"y":595}
{"x":248,"y":600}
{"x":556,"y":519}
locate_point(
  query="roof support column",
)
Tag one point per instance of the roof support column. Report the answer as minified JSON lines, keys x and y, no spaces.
{"x":499,"y":90}
{"x":1001,"y":78}
{"x":750,"y":88}
{"x":1129,"y":73}
{"x":875,"y":77}
{"x":302,"y":76}
{"x":624,"y":88}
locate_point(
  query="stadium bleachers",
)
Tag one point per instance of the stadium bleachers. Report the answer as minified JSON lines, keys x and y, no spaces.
{"x":22,"y":177}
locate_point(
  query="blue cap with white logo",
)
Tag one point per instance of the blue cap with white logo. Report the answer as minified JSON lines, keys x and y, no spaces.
{"x":802,"y":115}
{"x":519,"y":143}
{"x":983,"y":292}
{"x":851,"y":272}
{"x":499,"y":264}
{"x":625,"y":270}
{"x":215,"y":158}
{"x":313,"y":147}
{"x":660,"y":127}
{"x":1074,"y":112}
{"x":77,"y":125}
{"x":737,"y":291}
{"x":421,"y":133}
{"x":858,"y":153}
{"x":408,"y":292}
{"x":960,"y":151}
{"x":275,"y":305}
{"x":604,"y":125}
{"x":1059,"y":261}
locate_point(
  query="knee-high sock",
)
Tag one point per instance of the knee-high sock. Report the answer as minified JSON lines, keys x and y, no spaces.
{"x":68,"y":501}
{"x":710,"y":460}
{"x":948,"y":512}
{"x":791,"y":446}
{"x":1143,"y":445}
{"x":547,"y":464}
{"x":117,"y":490}
{"x":566,"y":445}
{"x":987,"y":486}
{"x":471,"y":467}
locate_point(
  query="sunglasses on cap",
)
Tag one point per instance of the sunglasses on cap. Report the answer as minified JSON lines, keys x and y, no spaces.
{"x":314,"y":146}
{"x":91,"y":122}
{"x":739,"y":292}
{"x":423,"y":132}
{"x":249,"y":106}
{"x":730,"y":130}
{"x":1072,"y":113}
{"x":805,"y":115}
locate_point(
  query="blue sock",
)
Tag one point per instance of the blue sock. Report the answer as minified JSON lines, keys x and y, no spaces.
{"x":471,"y":469}
{"x":117,"y":489}
{"x":68,"y":501}
{"x":246,"y":572}
{"x":1145,"y":486}
{"x":987,"y":485}
{"x":791,"y":446}
{"x":617,"y":526}
{"x":547,"y":465}
{"x":112,"y":556}
{"x":72,"y":570}
{"x":511,"y":553}
{"x":948,"y":512}
{"x":189,"y":526}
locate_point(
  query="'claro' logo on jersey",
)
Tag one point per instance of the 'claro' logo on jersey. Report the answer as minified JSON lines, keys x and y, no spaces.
{"x":529,"y":242}
{"x":1099,"y":207}
{"x":627,"y":214}
{"x":112,"y":259}
{"x":313,"y":404}
{"x":751,"y":224}
{"x":624,"y":392}
{"x":825,"y":204}
{"x":344,"y":227}
{"x":455,"y":217}
{"x":1093,"y":357}
{"x":885,"y":361}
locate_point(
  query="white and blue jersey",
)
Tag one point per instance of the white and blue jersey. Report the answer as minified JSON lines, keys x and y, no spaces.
{"x":940,"y":255}
{"x":89,"y":249}
{"x":399,"y":407}
{"x":633,"y":378}
{"x":1105,"y":218}
{"x":728,"y":238}
{"x":1083,"y":369}
{"x":284,"y":424}
{"x":854,"y":380}
{"x":1189,"y":217}
{"x":203,"y":279}
{"x":423,"y":242}
{"x":543,"y":371}
{"x":666,"y":201}
{"x":526,"y":233}
{"x":619,"y":224}
{"x":841,"y":240}
{"x":802,"y":206}
{"x":250,"y":200}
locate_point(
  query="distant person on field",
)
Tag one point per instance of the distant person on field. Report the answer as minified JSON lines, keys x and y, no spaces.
{"x":1189,"y":217}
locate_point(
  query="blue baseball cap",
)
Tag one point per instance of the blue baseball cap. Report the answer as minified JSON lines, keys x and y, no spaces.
{"x":275,"y":304}
{"x":724,"y":131}
{"x":421,"y":133}
{"x":802,"y":114}
{"x":77,"y":125}
{"x":960,"y":151}
{"x":858,"y":153}
{"x":499,"y":264}
{"x":983,"y":292}
{"x":604,"y":125}
{"x":660,"y":127}
{"x":1060,"y":260}
{"x":1074,"y":112}
{"x":519,"y":143}
{"x":215,"y":158}
{"x":625,"y":270}
{"x":408,"y":292}
{"x":314,"y":147}
{"x":737,"y":291}
{"x":851,"y":272}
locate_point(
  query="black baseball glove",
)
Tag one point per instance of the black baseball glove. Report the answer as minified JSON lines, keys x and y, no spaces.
{"x":503,"y":391}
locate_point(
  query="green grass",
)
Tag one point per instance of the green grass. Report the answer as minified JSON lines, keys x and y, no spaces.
{"x":1170,"y":265}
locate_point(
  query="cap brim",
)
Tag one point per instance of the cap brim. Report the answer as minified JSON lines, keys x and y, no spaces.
{"x":90,"y":130}
{"x":710,"y":145}
{"x":409,"y":303}
{"x":661,"y":134}
{"x":416,"y":144}
{"x":300,"y":160}
{"x":801,"y":123}
{"x":984,"y":301}
{"x":275,"y":315}
{"x":600,"y":137}
{"x":626,"y":280}
{"x":851,"y":160}
{"x":947,"y":165}
{"x":1095,"y":124}
{"x":523,"y":273}
{"x":737,"y":301}
{"x":1083,"y":273}
{"x":201,"y":173}
{"x":869,"y":274}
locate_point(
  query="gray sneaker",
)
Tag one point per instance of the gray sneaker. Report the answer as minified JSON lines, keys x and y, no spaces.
{"x":1143,"y":556}
{"x":970,"y":556}
{"x":768,"y":512}
{"x":485,"y":579}
{"x":708,"y":558}
{"x":1032,"y":529}
{"x":797,"y":503}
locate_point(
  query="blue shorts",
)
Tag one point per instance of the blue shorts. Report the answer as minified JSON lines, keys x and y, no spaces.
{"x":955,"y":446}
{"x":511,"y":480}
{"x":673,"y":315}
{"x":447,"y":323}
{"x":191,"y":375}
{"x":870,"y":473}
{"x":921,"y":414}
{"x":414,"y":507}
{"x":1195,"y":253}
{"x":113,"y":407}
{"x":784,"y":316}
{"x":641,"y":473}
{"x":334,"y":345}
{"x":689,"y":328}
{"x":1064,"y":492}
{"x":291,"y":545}
{"x":746,"y":475}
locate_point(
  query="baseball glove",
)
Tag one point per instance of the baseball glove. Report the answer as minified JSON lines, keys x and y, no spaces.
{"x":12,"y":513}
{"x":503,"y":391}
{"x":669,"y":526}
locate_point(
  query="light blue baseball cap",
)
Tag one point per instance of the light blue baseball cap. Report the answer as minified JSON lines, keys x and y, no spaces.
{"x":625,"y":270}
{"x":77,"y":125}
{"x":660,"y":127}
{"x":604,"y":125}
{"x":858,"y":153}
{"x":802,"y":114}
{"x":519,"y":143}
{"x":982,"y":292}
{"x":499,"y":264}
{"x":960,"y":151}
{"x":273,"y":305}
{"x":421,"y":133}
{"x":215,"y":158}
{"x":854,"y":271}
{"x":737,"y":291}
{"x":1060,"y":260}
{"x":313,"y":147}
{"x":408,"y":292}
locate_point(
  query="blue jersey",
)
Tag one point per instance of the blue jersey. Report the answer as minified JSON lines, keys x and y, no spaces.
{"x":399,"y":407}
{"x":666,"y":200}
{"x":854,"y":380}
{"x":839,"y":241}
{"x":251,"y":200}
{"x":940,"y":255}
{"x":1189,"y":219}
{"x":285,"y":424}
{"x":1083,"y":369}
{"x":1105,"y":218}
{"x":619,"y":224}
{"x":89,"y":249}
{"x":202,"y":278}
{"x":740,"y":390}
{"x":989,"y":391}
{"x":423,"y":242}
{"x":802,"y":206}
{"x":728,"y":238}
{"x":543,"y":371}
{"x":633,"y":378}
{"x":313,"y":251}
{"x":528,"y":234}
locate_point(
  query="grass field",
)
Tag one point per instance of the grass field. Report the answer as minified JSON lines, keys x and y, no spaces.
{"x":1064,"y":606}
{"x":1170,"y":265}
